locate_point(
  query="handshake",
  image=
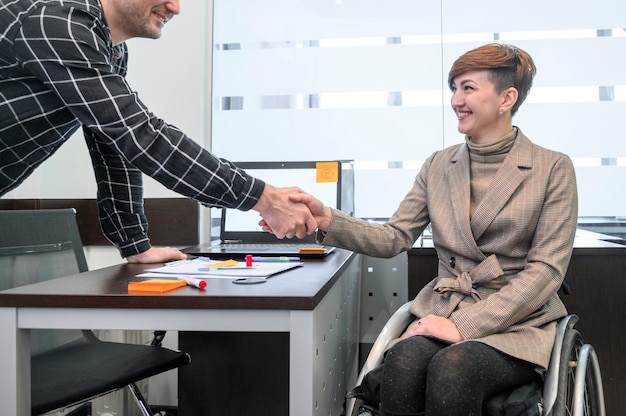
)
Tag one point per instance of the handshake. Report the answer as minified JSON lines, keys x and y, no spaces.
{"x":285,"y":212}
{"x":291,"y":212}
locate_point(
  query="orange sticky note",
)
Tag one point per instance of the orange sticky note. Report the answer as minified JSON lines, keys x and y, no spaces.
{"x":222,"y":264}
{"x":327,"y":171}
{"x":155,"y":285}
{"x":312,"y":250}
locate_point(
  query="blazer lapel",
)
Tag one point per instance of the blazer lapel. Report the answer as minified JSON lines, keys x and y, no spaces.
{"x":506,"y":181}
{"x":459,"y":185}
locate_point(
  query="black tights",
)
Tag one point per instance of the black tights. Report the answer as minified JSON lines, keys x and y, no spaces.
{"x":422,"y":376}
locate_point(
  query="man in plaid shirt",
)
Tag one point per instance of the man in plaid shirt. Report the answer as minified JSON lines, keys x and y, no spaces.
{"x":62,"y":66}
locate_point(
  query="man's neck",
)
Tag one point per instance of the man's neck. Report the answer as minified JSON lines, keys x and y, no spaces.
{"x":109,"y":10}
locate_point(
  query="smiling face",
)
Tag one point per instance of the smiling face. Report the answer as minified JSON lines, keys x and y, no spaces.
{"x":483,"y":112}
{"x":138,"y":18}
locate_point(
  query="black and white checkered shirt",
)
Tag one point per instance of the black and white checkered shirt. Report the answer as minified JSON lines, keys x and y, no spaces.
{"x":58,"y":71}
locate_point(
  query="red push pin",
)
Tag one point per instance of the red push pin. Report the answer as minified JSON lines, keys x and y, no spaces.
{"x":249,"y":260}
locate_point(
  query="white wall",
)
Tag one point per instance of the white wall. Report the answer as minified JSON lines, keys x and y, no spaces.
{"x":170,"y":76}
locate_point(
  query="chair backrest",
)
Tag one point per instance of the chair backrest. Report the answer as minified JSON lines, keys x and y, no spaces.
{"x":39,"y":245}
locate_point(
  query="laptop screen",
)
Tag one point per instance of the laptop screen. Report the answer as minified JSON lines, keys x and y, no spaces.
{"x":328,"y":186}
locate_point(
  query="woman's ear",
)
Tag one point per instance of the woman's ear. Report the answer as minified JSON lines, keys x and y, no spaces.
{"x":509,"y":98}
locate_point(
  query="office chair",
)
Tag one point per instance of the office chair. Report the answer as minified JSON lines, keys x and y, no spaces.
{"x":70,"y":367}
{"x":572,"y":384}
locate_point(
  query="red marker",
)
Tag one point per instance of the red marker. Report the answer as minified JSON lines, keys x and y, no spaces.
{"x":192,"y":281}
{"x":249,"y":260}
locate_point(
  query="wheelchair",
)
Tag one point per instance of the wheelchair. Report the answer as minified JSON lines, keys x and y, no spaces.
{"x":572,"y":384}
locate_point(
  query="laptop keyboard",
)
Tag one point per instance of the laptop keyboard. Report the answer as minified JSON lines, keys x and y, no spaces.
{"x":266,"y":246}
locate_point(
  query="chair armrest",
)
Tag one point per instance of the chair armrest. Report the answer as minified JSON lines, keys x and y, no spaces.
{"x":394,"y":327}
{"x":551,"y":379}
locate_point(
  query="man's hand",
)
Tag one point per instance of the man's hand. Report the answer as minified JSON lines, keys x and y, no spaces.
{"x":321,"y":213}
{"x":436,"y":326}
{"x":157,"y":255}
{"x":281,"y":216}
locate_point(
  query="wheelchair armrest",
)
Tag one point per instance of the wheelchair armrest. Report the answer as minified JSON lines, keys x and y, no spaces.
{"x":394,"y":327}
{"x":551,"y":382}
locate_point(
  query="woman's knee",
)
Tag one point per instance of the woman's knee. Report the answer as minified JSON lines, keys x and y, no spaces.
{"x":454,"y":369}
{"x":411,"y":353}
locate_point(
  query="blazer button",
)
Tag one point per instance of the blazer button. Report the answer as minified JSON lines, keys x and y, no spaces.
{"x":452,"y":262}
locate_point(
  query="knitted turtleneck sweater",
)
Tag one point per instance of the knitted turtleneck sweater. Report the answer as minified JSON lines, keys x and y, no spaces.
{"x":485,"y":160}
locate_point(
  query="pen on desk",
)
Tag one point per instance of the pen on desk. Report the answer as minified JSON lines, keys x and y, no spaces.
{"x":192,"y":281}
{"x":177,"y":262}
{"x":210,"y":269}
{"x":188,"y":260}
{"x":275,"y":259}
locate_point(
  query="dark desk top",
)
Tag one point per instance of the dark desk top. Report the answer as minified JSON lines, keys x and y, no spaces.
{"x":582,"y":246}
{"x":301,"y":288}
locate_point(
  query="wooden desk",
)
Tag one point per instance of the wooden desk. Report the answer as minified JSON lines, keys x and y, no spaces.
{"x":315,"y":305}
{"x":597,"y":272}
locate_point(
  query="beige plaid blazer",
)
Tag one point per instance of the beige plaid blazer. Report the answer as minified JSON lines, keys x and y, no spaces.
{"x":499,"y":271}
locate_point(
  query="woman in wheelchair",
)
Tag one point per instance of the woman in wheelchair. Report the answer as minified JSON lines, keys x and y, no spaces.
{"x":503,"y":212}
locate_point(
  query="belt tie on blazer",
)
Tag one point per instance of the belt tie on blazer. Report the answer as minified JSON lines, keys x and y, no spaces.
{"x":454,"y":290}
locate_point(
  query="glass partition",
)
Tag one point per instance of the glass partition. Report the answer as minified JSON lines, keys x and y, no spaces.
{"x":366,"y":80}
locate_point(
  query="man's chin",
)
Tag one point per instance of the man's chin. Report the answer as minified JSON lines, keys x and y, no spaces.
{"x":153,"y":34}
{"x":151,"y":30}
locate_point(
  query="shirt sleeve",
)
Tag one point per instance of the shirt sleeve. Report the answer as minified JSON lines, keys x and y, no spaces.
{"x":120,"y":198}
{"x":70,"y":51}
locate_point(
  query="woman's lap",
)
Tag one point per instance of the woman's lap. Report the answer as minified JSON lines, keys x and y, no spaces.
{"x":421,"y":374}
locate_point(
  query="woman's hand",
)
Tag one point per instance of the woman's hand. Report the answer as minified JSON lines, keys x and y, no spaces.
{"x":322,"y":214}
{"x":436,"y":326}
{"x":283,"y":217}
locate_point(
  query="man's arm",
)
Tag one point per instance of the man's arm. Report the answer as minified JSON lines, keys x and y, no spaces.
{"x":77,"y":61}
{"x":120,"y":198}
{"x":73,"y":56}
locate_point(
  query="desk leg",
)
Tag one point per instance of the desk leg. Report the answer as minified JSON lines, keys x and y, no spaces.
{"x":14,"y":365}
{"x":323,"y":354}
{"x":301,"y":362}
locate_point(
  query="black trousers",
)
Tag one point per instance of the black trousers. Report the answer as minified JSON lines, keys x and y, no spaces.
{"x":423,"y":376}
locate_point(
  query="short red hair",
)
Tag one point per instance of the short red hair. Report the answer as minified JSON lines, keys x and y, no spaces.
{"x":509,"y":66}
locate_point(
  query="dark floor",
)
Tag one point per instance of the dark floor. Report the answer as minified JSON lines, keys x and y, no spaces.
{"x":85,"y":410}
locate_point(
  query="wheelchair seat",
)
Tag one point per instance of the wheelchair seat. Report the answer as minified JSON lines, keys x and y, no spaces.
{"x":572,"y":383}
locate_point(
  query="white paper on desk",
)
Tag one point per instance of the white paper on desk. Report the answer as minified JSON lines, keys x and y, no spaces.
{"x":192,"y":268}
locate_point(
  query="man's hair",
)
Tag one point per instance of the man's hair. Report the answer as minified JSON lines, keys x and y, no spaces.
{"x":508,"y":66}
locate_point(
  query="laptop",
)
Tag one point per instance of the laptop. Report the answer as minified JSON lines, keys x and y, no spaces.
{"x":330,"y":181}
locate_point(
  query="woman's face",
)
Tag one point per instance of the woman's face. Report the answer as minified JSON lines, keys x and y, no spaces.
{"x":476,"y":104}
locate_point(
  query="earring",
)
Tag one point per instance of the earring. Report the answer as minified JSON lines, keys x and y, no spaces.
{"x":500,"y":111}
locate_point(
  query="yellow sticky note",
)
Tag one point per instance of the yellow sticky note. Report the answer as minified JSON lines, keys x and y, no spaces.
{"x":327,"y":171}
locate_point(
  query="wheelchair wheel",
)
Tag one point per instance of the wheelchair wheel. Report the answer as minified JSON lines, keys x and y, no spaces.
{"x":564,"y":405}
